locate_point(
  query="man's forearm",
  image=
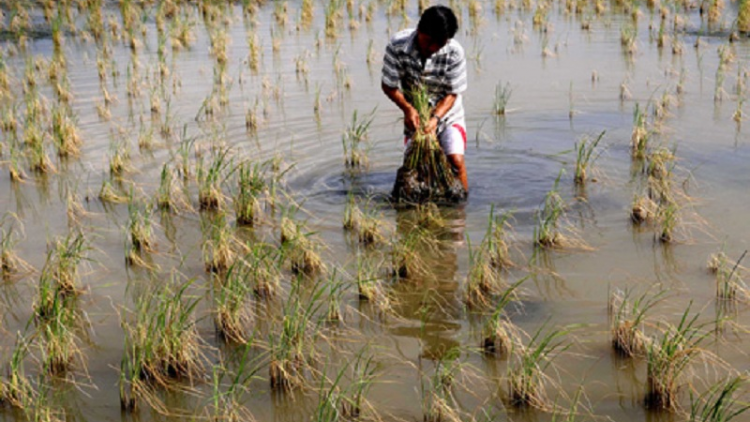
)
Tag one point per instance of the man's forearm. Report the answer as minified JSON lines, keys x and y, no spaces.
{"x":444,"y":105}
{"x":397,"y":97}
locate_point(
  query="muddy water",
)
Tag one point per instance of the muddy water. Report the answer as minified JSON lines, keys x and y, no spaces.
{"x":566,"y":82}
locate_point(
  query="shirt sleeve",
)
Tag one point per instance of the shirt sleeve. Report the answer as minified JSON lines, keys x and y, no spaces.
{"x":391,"y":67}
{"x":456,"y":71}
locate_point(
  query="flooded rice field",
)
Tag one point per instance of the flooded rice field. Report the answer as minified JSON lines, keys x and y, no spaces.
{"x":197,"y":223}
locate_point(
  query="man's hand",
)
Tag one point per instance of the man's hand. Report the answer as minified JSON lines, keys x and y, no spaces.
{"x":411,"y":118}
{"x":431,"y":127}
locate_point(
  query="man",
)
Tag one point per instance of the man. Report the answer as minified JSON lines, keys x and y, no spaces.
{"x":429,"y":56}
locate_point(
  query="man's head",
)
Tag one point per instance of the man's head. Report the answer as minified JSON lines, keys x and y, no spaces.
{"x":437,"y":25}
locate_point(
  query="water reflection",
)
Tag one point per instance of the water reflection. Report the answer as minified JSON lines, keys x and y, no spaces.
{"x":428,"y":300}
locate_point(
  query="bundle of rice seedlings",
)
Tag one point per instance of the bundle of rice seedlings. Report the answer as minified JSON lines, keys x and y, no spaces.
{"x":628,"y":316}
{"x":527,"y":381}
{"x":669,"y":360}
{"x":499,"y":335}
{"x":425,"y":174}
{"x":232,"y":315}
{"x":719,"y":403}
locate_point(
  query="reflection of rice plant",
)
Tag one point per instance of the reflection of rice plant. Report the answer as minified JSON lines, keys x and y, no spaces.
{"x":718,"y":403}
{"x":527,"y":380}
{"x":499,"y":334}
{"x":502,"y":96}
{"x":628,"y":315}
{"x":669,"y":359}
{"x":584,"y":151}
{"x":354,"y":140}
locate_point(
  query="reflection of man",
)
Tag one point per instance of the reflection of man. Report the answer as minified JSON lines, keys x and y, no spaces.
{"x":429,"y":56}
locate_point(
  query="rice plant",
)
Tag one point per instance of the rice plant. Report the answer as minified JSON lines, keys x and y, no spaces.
{"x":17,"y":390}
{"x":251,"y":184}
{"x":59,"y":340}
{"x":210,"y":180}
{"x":369,"y":285}
{"x":407,"y":257}
{"x":669,"y":219}
{"x":719,"y":403}
{"x":496,"y":239}
{"x":352,"y":213}
{"x":264,"y":262}
{"x":584,"y":149}
{"x":355,"y":139}
{"x":232,"y":315}
{"x":301,"y":248}
{"x":499,"y":335}
{"x":640,"y":136}
{"x":219,"y":244}
{"x":438,"y":401}
{"x":63,"y":260}
{"x":628,"y":319}
{"x":669,"y":360}
{"x":547,"y":232}
{"x":139,"y":232}
{"x":483,"y":280}
{"x":643,"y":210}
{"x":292,"y":346}
{"x":161,"y":341}
{"x":363,"y":375}
{"x":10,"y":262}
{"x":65,"y":133}
{"x":527,"y":380}
{"x":168,"y":195}
{"x":729,"y":283}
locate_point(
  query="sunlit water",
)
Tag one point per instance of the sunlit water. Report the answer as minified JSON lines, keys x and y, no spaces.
{"x":566,"y":84}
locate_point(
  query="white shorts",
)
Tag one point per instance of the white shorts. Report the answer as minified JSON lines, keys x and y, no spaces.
{"x":452,"y":139}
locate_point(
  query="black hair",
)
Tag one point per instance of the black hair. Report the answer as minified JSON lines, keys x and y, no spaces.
{"x":439,"y":23}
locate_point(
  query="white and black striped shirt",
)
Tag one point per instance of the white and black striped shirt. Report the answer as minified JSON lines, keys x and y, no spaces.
{"x":442,"y":73}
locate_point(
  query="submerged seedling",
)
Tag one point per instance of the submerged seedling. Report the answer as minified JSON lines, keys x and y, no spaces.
{"x":584,"y":149}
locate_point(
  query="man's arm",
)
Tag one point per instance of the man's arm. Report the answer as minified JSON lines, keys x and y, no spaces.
{"x":411,"y":117}
{"x":440,"y":110}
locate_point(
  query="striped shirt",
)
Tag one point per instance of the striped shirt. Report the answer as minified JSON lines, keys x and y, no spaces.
{"x":442,"y":73}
